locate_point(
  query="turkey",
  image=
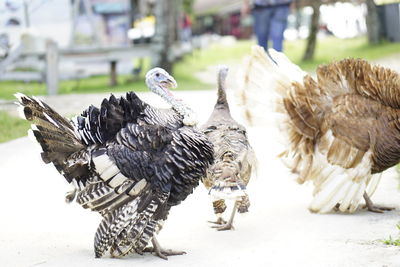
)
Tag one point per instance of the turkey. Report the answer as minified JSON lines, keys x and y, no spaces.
{"x":234,"y":159}
{"x":129,"y":161}
{"x":342,"y":128}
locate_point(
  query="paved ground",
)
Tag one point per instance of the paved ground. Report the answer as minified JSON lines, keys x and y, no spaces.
{"x":38,"y":229}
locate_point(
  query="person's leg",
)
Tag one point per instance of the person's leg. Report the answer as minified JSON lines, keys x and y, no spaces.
{"x":262,"y":18}
{"x":278,"y":26}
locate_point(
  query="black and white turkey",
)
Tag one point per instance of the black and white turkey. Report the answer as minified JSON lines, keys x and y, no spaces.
{"x":235,"y":159}
{"x":129,"y":161}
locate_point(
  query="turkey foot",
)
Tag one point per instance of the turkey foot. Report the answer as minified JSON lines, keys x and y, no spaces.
{"x":219,"y":221}
{"x":224,"y":227}
{"x":374,"y":208}
{"x":160,"y":252}
{"x":228,"y":225}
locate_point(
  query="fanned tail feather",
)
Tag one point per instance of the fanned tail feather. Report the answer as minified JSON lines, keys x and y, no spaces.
{"x":340,"y":171}
{"x":56,"y":137}
{"x":261,"y":79}
{"x":340,"y":187}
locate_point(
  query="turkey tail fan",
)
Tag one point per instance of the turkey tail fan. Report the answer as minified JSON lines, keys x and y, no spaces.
{"x":279,"y":85}
{"x":357,"y":76}
{"x":56,"y":136}
{"x":261,"y":78}
{"x":98,"y":125}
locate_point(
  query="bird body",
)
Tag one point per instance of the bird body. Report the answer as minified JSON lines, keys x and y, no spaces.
{"x":129,"y":161}
{"x":234,"y":162}
{"x":342,"y":129}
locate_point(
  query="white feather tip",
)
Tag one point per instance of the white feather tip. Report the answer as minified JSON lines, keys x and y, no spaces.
{"x":19,"y":96}
{"x":21,"y":111}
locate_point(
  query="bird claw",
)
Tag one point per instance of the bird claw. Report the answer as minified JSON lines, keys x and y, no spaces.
{"x":227,"y":226}
{"x":374,"y":208}
{"x":377,"y":209}
{"x":164,"y":253}
{"x":219,"y":221}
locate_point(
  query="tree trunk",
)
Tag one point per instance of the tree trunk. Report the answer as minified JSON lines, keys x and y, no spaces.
{"x":166,"y":28}
{"x":312,"y":37}
{"x":373,"y":23}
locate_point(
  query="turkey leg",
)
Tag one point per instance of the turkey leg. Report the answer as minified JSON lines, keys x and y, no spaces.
{"x":160,"y":252}
{"x":228,"y":225}
{"x":219,"y":208}
{"x":372,"y":207}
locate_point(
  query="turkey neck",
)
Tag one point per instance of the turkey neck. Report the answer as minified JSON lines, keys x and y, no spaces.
{"x":178,"y":105}
{"x":221,"y":108}
{"x":222,"y":88}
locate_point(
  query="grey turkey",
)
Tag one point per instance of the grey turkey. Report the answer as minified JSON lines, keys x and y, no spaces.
{"x":235,"y":159}
{"x":127,"y":160}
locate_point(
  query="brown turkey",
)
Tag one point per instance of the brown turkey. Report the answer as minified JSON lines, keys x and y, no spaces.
{"x":342,"y":129}
{"x":235,"y":160}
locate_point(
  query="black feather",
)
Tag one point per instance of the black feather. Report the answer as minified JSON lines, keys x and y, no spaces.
{"x":134,"y":161}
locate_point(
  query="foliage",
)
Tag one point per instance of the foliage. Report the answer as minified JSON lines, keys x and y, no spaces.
{"x":188,"y":6}
{"x":391,"y":241}
{"x":12,"y":127}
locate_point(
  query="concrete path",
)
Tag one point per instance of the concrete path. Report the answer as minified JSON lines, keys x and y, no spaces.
{"x":38,"y":229}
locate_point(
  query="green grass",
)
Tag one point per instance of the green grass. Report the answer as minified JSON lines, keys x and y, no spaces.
{"x":95,"y":84}
{"x":328,"y":49}
{"x":392,"y":242}
{"x":215,"y":54}
{"x":11,"y":127}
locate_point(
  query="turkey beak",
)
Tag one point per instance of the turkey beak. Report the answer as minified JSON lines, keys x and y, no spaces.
{"x":170,"y":83}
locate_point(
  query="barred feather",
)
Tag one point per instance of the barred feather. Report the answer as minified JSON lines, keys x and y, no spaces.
{"x":234,"y":157}
{"x":127,"y":160}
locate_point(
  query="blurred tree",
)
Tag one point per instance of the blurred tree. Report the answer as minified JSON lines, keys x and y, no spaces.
{"x":134,"y":11}
{"x":373,"y":23}
{"x":188,"y":6}
{"x":168,"y":13}
{"x":314,"y":27}
{"x":162,"y":39}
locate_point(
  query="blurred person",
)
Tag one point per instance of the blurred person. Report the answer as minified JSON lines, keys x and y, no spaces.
{"x":186,"y":28}
{"x":270,"y":20}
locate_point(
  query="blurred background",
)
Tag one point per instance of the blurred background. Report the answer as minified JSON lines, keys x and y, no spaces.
{"x":70,"y":47}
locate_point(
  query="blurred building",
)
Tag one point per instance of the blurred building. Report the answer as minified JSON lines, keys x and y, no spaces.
{"x":221,"y":17}
{"x":389,"y":14}
{"x":78,"y":22}
{"x":46,"y":18}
